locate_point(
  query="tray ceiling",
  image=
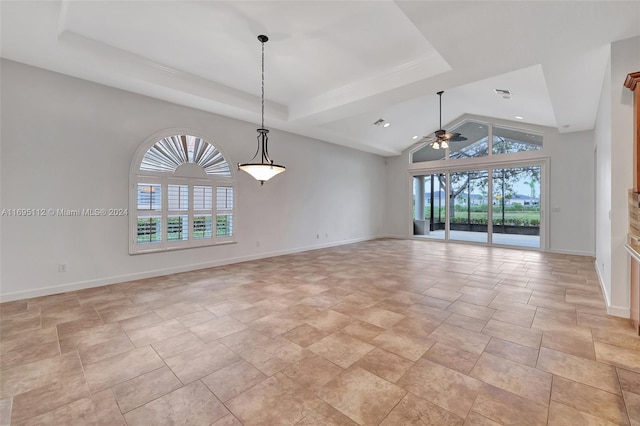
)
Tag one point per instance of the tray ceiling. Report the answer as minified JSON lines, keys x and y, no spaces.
{"x":335,"y":67}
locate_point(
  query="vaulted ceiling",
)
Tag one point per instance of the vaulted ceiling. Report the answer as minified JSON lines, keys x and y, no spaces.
{"x":335,"y":67}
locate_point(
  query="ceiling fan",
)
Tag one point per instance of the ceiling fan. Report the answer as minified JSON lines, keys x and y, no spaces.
{"x":441,"y":137}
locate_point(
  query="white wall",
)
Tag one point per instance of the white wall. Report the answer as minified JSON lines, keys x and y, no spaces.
{"x":614,"y":136}
{"x":571,"y":175}
{"x":602,"y":134}
{"x":68,"y":143}
{"x":571,"y":194}
{"x":399,"y":200}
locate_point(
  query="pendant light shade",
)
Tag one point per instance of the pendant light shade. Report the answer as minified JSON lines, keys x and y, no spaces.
{"x":265,"y":169}
{"x":262,"y":172}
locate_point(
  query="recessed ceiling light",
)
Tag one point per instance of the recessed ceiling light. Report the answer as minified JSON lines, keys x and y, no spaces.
{"x":386,"y":125}
{"x":415,"y":137}
{"x":519,"y":118}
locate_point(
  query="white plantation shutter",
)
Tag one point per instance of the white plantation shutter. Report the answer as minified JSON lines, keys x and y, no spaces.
{"x":202,"y":226}
{"x":177,"y":227}
{"x":149,"y":197}
{"x":178,"y":197}
{"x":203,"y":211}
{"x":224,"y":211}
{"x":177,"y":201}
{"x":224,"y":198}
{"x":173,"y":208}
{"x":149,"y":223}
{"x":149,"y":229}
{"x":168,"y":154}
{"x":202,"y":197}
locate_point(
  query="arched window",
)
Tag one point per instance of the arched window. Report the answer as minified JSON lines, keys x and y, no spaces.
{"x":181,"y":194}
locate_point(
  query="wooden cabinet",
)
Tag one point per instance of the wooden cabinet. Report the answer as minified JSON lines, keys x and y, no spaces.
{"x":633,"y":83}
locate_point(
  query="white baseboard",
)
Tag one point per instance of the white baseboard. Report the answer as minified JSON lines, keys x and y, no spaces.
{"x":571,"y":252}
{"x":81,"y":285}
{"x":393,"y":236}
{"x":616,"y":311}
{"x":619,"y":311}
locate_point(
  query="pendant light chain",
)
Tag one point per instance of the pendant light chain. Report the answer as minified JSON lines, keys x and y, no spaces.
{"x":263,"y":84}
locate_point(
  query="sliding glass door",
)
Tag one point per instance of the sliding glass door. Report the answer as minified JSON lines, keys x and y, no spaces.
{"x":469,"y":212}
{"x":493,"y":205}
{"x":516,"y":206}
{"x":429,"y":206}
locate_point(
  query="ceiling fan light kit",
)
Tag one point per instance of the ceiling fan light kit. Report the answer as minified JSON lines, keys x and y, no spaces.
{"x":265,"y":169}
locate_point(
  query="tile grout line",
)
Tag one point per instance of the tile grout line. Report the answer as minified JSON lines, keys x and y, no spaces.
{"x":624,"y":401}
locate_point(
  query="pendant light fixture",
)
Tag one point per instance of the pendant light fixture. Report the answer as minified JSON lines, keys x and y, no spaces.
{"x":265,"y":169}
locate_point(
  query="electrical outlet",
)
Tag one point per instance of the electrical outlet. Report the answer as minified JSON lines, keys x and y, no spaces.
{"x":257,"y":243}
{"x":62,"y":267}
{"x":317,"y":236}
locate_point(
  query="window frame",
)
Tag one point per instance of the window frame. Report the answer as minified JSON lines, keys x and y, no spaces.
{"x":491,"y":157}
{"x":453,"y":167}
{"x":189,"y":178}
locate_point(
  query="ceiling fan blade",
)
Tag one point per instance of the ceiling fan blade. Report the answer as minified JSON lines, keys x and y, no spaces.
{"x":427,"y":139}
{"x":458,"y":139}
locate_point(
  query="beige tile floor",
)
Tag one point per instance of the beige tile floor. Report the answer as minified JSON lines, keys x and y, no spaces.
{"x":384,"y":332}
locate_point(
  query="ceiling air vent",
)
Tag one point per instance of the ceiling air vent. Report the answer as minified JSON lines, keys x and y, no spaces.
{"x":504,"y":94}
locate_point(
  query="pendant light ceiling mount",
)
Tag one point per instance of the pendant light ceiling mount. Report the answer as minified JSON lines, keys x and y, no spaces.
{"x":265,"y":169}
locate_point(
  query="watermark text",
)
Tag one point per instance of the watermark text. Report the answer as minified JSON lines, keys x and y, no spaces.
{"x":59,"y":212}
